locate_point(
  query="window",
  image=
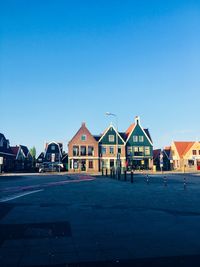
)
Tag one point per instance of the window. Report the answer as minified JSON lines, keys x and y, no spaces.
{"x":141,"y":138}
{"x":83,"y":137}
{"x":199,"y":152}
{"x":147,"y":150}
{"x":90,"y":164}
{"x":190,"y":163}
{"x":135,"y":138}
{"x":90,"y":151}
{"x":103,"y":150}
{"x":83,"y":150}
{"x":75,"y":164}
{"x":75,"y":151}
{"x":111,"y":149}
{"x":119,"y":150}
{"x":136,"y":148}
{"x":53,"y":147}
{"x":194,"y":152}
{"x":141,"y":149}
{"x":48,"y":156}
{"x":112,"y":163}
{"x":111,"y":138}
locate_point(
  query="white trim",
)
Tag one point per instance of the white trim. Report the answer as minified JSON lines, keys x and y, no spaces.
{"x":105,"y":132}
{"x":83,"y":157}
{"x":111,"y":158}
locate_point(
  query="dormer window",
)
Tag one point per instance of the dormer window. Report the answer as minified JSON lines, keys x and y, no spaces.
{"x":111,"y":138}
{"x":83,"y":137}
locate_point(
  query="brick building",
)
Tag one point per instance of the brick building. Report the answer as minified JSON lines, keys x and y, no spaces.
{"x":83,"y":152}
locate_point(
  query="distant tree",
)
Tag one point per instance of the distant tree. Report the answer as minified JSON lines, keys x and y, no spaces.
{"x":33,"y":152}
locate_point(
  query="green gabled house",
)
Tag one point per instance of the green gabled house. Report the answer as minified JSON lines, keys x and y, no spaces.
{"x":111,"y":141}
{"x":139,"y":147}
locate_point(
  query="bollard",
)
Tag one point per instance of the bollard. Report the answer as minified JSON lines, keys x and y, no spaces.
{"x":147,"y":179}
{"x":106,"y":172}
{"x":125,"y":175}
{"x":113,"y":170}
{"x":119,"y":173}
{"x":184,"y":182}
{"x":131,"y":176}
{"x":110,"y":173}
{"x":165,"y":180}
{"x":102,"y":172}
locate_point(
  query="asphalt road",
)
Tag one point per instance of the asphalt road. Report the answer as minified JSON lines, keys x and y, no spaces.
{"x":80,"y":220}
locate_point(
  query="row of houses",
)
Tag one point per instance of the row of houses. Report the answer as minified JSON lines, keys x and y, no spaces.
{"x":14,"y":158}
{"x":132,"y":149}
{"x":184,"y":156}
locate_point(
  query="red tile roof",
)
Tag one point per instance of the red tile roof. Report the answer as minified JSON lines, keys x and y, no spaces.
{"x":130,"y":128}
{"x":183,"y":147}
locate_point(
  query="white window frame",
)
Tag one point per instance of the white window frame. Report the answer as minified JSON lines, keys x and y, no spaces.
{"x":111,"y":138}
{"x":83,"y":137}
{"x":147,"y":150}
{"x":135,"y":138}
{"x":141,"y":138}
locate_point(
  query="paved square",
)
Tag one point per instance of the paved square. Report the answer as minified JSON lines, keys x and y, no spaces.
{"x":77,"y":220}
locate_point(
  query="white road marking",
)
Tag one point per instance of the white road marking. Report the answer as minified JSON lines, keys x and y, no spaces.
{"x":5,"y":199}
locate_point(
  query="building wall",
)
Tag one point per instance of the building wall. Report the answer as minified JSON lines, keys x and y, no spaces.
{"x":78,"y":141}
{"x":141,"y":158}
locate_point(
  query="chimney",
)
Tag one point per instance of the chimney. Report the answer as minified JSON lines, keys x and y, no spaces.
{"x":137,"y":120}
{"x":83,"y":124}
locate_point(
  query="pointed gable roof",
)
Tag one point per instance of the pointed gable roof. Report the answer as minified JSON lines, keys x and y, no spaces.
{"x":83,"y":128}
{"x":131,"y":128}
{"x":182,"y":147}
{"x":116,"y":132}
{"x":25,"y":150}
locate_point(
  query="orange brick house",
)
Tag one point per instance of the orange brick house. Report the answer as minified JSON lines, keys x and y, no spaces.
{"x":83,"y":152}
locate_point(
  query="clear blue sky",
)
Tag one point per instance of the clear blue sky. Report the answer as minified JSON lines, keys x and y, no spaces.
{"x":64,"y":62}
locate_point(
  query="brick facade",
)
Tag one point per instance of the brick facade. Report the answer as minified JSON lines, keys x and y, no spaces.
{"x":83,"y":151}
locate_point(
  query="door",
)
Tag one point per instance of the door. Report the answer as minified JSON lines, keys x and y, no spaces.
{"x":83,"y":165}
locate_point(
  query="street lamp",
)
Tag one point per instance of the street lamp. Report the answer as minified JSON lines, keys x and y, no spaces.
{"x":117,"y":156}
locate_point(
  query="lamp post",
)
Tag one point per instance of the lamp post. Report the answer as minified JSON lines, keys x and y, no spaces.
{"x":117,"y":156}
